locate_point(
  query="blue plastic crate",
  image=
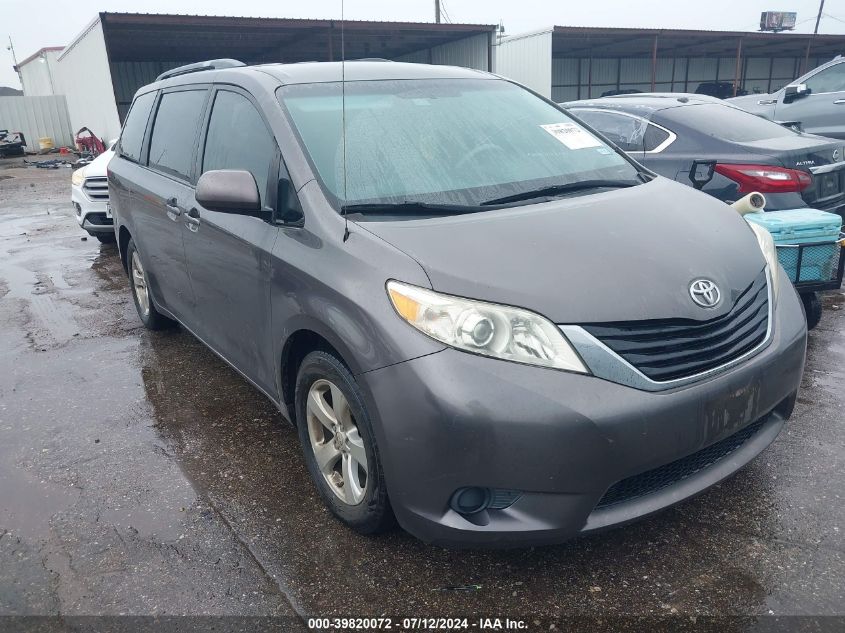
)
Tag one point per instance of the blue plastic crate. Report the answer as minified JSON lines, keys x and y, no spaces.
{"x":806,"y":234}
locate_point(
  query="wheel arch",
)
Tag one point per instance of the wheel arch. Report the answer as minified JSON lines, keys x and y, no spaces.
{"x":306,"y":337}
{"x":123,"y":237}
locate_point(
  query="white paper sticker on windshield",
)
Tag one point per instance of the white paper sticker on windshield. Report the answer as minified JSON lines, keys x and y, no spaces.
{"x":572,"y":135}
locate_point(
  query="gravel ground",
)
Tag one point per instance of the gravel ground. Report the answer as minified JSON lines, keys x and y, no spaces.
{"x":141,"y":476}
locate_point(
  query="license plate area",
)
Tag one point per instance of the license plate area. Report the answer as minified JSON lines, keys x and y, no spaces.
{"x":732,"y":410}
{"x":828,"y":185}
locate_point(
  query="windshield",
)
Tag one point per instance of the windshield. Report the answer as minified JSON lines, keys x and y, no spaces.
{"x":725,"y":122}
{"x":445,"y":142}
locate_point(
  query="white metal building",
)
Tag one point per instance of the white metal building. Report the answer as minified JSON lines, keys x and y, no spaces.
{"x":39,"y":72}
{"x":117,"y":53}
{"x":567,"y":63}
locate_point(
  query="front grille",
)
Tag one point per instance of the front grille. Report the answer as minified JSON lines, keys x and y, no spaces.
{"x":96,"y":188}
{"x":677,"y":348}
{"x":654,"y":480}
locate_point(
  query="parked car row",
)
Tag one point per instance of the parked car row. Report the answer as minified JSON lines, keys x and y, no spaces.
{"x":487,"y":322}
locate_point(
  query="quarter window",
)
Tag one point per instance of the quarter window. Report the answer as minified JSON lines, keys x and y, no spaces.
{"x":174,"y":132}
{"x":134,"y":127}
{"x":654,"y":137}
{"x":625,"y":131}
{"x":238,"y":139}
{"x":828,"y":80}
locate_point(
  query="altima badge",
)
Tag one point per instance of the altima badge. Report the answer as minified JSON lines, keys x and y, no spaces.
{"x":705,"y":293}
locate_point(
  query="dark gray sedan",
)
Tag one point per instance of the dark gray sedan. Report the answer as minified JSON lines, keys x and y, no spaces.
{"x":668,"y":133}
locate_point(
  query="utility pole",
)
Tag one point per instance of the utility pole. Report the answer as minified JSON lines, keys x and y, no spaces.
{"x":818,"y":18}
{"x":437,"y":10}
{"x":11,"y":47}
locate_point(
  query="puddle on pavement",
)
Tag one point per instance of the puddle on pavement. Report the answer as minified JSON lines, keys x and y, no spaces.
{"x":28,"y":501}
{"x":179,"y":429}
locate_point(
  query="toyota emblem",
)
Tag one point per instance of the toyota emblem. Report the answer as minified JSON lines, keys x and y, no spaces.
{"x":705,"y":293}
{"x":835,"y":155}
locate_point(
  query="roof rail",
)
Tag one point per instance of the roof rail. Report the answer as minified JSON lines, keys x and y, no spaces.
{"x":211,"y":64}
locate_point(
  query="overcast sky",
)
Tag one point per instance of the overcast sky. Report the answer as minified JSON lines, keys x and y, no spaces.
{"x":33,"y":23}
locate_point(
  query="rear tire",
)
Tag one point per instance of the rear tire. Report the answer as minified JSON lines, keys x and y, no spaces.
{"x":150,"y":317}
{"x":812,"y":308}
{"x":339,"y":445}
{"x":105,"y":238}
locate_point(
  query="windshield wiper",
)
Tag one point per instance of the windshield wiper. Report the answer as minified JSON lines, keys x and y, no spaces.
{"x":410,"y":207}
{"x":556,"y":190}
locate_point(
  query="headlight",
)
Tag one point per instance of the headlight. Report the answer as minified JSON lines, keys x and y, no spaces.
{"x":78,"y":177}
{"x":485,"y":328}
{"x":770,"y":252}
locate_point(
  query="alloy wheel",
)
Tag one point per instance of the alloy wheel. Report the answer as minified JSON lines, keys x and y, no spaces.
{"x":337,"y":444}
{"x":139,"y":283}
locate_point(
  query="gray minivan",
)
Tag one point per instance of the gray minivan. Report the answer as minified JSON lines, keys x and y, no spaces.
{"x":485,"y":322}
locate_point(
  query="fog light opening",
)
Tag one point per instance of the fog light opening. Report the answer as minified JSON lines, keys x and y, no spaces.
{"x":471,"y":500}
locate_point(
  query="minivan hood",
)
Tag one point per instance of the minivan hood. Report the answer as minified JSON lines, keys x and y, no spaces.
{"x":621,"y":255}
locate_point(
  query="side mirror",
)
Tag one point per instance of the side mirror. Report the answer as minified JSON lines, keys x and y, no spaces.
{"x":289,"y":211}
{"x":229,"y":191}
{"x":795,"y":92}
{"x":701,"y":172}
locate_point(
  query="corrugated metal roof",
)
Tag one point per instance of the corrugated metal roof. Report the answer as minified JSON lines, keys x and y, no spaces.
{"x":272,"y":22}
{"x":575,"y":41}
{"x":160,"y":37}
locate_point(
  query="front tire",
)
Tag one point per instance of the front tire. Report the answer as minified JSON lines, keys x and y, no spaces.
{"x":339,"y":444}
{"x":105,"y":238}
{"x":812,"y":308}
{"x":150,"y":317}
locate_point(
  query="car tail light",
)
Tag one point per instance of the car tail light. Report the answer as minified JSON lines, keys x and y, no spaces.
{"x":765,"y":178}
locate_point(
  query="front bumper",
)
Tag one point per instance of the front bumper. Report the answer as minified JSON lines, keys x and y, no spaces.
{"x":452,"y":419}
{"x":92,"y":215}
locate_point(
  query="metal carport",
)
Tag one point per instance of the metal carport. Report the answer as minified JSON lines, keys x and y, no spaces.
{"x":134,"y":48}
{"x":566,"y":62}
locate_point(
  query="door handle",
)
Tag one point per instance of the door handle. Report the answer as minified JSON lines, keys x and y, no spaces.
{"x":839,"y":102}
{"x":192,"y":219}
{"x":173,"y":209}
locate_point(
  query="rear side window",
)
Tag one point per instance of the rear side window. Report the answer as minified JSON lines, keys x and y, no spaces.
{"x":238,"y":139}
{"x":174,"y":132}
{"x":625,"y":131}
{"x":134,"y":127}
{"x":654,"y":137}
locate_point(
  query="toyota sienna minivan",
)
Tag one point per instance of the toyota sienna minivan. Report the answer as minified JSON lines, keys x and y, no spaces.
{"x":484,"y":320}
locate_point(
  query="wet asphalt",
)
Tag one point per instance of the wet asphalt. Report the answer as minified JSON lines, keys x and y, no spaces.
{"x":140,"y":475}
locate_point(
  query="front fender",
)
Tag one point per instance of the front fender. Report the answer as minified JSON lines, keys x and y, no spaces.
{"x":336,"y":288}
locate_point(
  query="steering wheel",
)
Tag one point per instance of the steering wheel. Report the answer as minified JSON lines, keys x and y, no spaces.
{"x":475,"y":151}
